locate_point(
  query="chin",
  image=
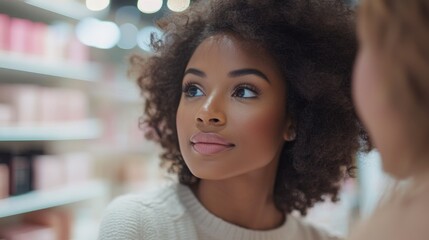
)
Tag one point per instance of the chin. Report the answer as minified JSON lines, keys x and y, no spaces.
{"x":209,"y":173}
{"x":201,"y":171}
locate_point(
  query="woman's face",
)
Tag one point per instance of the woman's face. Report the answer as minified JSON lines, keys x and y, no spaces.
{"x":375,"y":103}
{"x":231,"y":118}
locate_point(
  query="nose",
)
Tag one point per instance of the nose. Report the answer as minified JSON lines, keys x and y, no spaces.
{"x":211,"y":113}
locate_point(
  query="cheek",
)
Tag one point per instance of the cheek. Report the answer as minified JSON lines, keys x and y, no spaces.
{"x":359,"y":86}
{"x":183,"y":119}
{"x":366,"y":94}
{"x":371,"y":96}
{"x":262,"y":127}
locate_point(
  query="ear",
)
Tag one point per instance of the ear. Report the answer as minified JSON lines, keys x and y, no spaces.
{"x":289,"y":133}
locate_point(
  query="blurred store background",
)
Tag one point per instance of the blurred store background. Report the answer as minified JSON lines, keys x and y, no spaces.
{"x":69,"y":135}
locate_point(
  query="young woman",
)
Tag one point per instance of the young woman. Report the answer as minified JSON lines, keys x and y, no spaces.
{"x":391,"y":92}
{"x":251,"y":101}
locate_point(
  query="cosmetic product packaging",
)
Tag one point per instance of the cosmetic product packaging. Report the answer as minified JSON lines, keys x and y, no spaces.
{"x":4,"y":32}
{"x":19,"y":37}
{"x":4,"y":181}
{"x":20,"y":171}
{"x":27,"y":232}
{"x":58,"y":219}
{"x":49,"y":172}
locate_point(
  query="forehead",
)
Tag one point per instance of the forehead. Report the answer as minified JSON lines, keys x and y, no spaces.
{"x":227,"y":44}
{"x":233,"y":52}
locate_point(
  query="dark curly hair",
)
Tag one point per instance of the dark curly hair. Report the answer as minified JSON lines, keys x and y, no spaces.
{"x":314,"y":44}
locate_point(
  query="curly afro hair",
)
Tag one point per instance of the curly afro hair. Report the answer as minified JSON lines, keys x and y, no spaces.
{"x":314,"y":44}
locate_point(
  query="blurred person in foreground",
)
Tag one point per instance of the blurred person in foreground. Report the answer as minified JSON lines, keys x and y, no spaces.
{"x":391,"y":93}
{"x":251,"y":101}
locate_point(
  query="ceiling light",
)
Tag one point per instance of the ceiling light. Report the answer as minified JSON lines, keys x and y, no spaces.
{"x":178,"y":5}
{"x":149,"y":6}
{"x":97,"y":5}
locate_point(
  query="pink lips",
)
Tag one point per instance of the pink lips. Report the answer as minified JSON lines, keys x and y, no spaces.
{"x":209,"y":143}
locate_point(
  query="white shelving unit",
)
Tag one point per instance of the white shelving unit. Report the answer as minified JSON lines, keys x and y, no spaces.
{"x":108,"y":128}
{"x":46,"y":9}
{"x":14,"y":64}
{"x":38,"y":200}
{"x":72,"y":9}
{"x":89,"y":129}
{"x":17,"y":68}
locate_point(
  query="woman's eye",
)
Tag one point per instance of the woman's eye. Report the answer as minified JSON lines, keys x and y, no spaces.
{"x":245,"y":92}
{"x":192,"y":91}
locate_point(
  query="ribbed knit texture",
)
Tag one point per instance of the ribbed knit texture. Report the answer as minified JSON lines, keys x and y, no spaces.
{"x":173,"y":213}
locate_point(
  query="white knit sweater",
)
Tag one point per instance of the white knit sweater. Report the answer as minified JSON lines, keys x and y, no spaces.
{"x":174,"y":212}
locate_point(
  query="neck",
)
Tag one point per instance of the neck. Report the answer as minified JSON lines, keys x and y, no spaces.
{"x":421,"y":178}
{"x":246,"y":201}
{"x":421,"y":168}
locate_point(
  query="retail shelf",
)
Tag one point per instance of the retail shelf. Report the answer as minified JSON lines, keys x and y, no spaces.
{"x":143,"y":149}
{"x":14,"y":67}
{"x":125,"y":92}
{"x":51,"y":9}
{"x":88,"y":129}
{"x":72,"y":9}
{"x":38,"y":200}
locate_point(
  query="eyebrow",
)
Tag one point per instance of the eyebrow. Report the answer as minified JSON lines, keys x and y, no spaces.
{"x":248,"y":71}
{"x":234,"y":73}
{"x":194,"y":71}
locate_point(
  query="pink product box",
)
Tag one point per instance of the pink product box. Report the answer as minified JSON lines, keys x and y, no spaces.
{"x":77,"y":53}
{"x":6,"y":114}
{"x":38,"y":38}
{"x":23,"y":100}
{"x":53,"y":43}
{"x":28,"y":231}
{"x":78,"y":167}
{"x":58,"y":36}
{"x":60,"y":220}
{"x":50,"y":101}
{"x":20,"y":37}
{"x":49,"y":172}
{"x":6,"y":98}
{"x":59,"y":105}
{"x":27,"y":37}
{"x":77,"y":105}
{"x":4,"y":181}
{"x":26,"y":104}
{"x":4,"y":32}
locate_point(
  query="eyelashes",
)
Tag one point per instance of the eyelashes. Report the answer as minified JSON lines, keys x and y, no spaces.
{"x":245,"y":90}
{"x":187,"y":85}
{"x":242,"y":90}
{"x":191,"y":89}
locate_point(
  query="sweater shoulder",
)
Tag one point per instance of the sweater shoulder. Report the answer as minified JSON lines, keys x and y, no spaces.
{"x":139,"y":216}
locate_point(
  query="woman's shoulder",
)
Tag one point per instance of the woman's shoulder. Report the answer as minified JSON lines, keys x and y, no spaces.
{"x":160,"y":196}
{"x":138,"y":216}
{"x":308,"y":231}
